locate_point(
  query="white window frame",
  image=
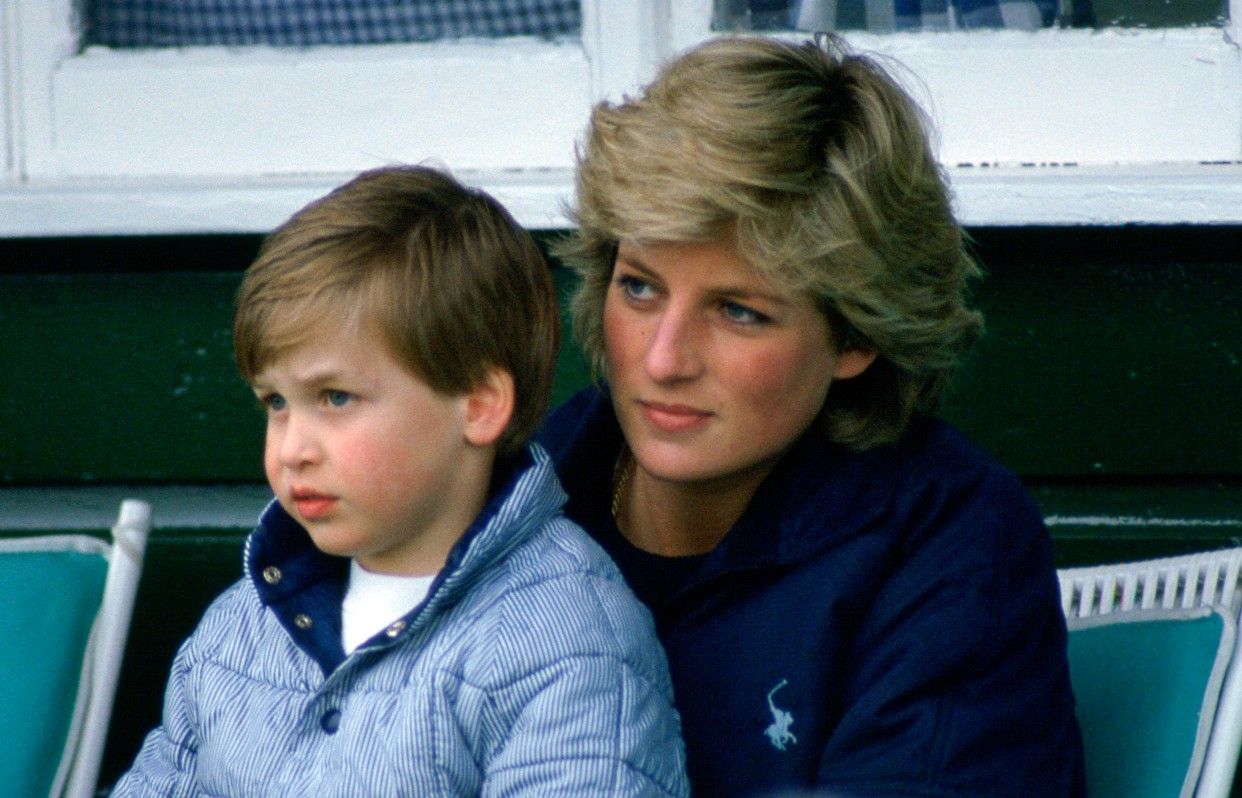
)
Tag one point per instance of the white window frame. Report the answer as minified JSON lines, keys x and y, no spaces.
{"x":1049,"y":127}
{"x":1072,"y":126}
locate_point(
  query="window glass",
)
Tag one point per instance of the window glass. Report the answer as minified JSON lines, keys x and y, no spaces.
{"x":299,"y":23}
{"x":937,"y":15}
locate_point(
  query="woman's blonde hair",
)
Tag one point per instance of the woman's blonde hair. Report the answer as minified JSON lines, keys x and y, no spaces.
{"x":819,"y":162}
{"x":448,"y":278}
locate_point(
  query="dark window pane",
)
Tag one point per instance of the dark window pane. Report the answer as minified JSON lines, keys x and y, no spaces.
{"x":938,"y":15}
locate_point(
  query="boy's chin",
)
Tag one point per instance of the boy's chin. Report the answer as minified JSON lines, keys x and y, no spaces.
{"x":331,"y":544}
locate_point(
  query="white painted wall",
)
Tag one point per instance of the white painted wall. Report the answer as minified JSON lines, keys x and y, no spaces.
{"x":8,"y":109}
{"x":199,"y":113}
{"x":1073,"y":126}
{"x":1077,"y":96}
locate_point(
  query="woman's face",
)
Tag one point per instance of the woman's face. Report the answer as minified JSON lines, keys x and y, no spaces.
{"x":714,"y":371}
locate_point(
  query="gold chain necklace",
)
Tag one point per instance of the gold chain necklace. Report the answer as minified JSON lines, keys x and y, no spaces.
{"x":620,"y":479}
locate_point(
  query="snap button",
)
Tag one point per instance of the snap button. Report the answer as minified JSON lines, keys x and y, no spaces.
{"x":331,"y":721}
{"x":395,"y":629}
{"x":303,"y":621}
{"x":272,"y":575}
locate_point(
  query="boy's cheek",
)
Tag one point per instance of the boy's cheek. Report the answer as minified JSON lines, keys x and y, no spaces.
{"x":271,"y":464}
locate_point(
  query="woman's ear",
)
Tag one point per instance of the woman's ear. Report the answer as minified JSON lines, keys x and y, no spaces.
{"x":852,"y":362}
{"x":489,"y":406}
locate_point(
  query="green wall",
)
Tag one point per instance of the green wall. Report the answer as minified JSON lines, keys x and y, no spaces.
{"x":1109,"y":378}
{"x":123,"y":373}
{"x":1109,"y":353}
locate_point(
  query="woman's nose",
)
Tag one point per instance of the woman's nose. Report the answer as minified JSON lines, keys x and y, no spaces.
{"x":674,"y":350}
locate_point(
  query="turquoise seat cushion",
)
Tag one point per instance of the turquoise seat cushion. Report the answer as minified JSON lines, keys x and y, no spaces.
{"x":48,"y":604}
{"x":1147,"y":684}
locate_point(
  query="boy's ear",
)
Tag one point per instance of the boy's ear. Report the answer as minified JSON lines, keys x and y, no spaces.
{"x":489,"y":406}
{"x":852,"y":362}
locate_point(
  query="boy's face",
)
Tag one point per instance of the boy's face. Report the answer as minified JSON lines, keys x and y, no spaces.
{"x":365,"y":455}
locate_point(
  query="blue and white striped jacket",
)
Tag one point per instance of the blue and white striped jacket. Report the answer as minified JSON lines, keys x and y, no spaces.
{"x":530,"y":669}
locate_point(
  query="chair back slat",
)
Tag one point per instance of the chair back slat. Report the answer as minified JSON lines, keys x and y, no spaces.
{"x":1197,"y":580}
{"x":1129,"y":594}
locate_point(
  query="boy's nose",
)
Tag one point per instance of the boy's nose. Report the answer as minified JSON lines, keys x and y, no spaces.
{"x":298,"y":444}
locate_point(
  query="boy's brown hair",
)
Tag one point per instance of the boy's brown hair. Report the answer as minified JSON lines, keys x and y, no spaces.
{"x":448,"y":278}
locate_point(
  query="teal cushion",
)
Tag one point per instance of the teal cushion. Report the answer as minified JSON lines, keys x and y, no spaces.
{"x":1147,"y":684}
{"x":48,"y":603}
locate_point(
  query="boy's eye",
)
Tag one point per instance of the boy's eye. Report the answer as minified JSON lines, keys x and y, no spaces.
{"x":273,"y":402}
{"x":338,"y":398}
{"x":635,"y":288}
{"x":740,"y":314}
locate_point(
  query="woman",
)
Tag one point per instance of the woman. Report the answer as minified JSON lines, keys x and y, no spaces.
{"x":854,"y":600}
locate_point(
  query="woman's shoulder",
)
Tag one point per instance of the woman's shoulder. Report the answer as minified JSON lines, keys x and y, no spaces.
{"x":942,"y":458}
{"x":952,"y":500}
{"x":926,"y":486}
{"x":583,"y":417}
{"x":935,"y":456}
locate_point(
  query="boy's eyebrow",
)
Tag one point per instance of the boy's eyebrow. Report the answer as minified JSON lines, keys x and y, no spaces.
{"x":313,"y":376}
{"x":319,"y":374}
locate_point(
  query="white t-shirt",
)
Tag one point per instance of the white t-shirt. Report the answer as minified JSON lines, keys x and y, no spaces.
{"x":373,"y":601}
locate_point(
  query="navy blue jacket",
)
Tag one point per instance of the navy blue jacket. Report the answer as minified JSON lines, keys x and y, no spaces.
{"x":884,"y":623}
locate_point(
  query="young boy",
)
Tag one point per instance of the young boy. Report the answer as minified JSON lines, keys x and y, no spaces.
{"x":417,"y":617}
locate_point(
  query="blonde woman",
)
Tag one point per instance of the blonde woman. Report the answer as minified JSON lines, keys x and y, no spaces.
{"x":854,"y":599}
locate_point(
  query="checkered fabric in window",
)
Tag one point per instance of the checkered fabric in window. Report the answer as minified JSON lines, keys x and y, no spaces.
{"x":295,"y":23}
{"x":888,"y":15}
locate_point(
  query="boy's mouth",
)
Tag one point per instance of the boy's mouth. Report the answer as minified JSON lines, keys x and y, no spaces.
{"x":312,"y":505}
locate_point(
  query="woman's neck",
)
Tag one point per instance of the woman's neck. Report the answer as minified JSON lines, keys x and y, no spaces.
{"x":678,"y":519}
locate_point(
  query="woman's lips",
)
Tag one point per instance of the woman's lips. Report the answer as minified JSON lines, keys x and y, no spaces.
{"x":674,"y":418}
{"x":311,"y":505}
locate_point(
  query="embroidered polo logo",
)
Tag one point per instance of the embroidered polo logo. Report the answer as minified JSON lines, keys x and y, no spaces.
{"x":778,"y":733}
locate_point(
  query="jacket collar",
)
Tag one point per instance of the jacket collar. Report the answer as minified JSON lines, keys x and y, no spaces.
{"x":818,"y":495}
{"x":294,"y":579}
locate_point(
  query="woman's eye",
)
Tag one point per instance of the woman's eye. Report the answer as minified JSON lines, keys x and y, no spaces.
{"x":740,"y":314}
{"x":338,"y":398}
{"x":635,"y":288}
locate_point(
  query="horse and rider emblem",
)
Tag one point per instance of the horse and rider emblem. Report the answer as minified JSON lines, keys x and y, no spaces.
{"x":778,"y":733}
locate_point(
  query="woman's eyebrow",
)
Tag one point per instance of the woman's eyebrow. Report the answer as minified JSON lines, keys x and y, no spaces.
{"x":747,"y":291}
{"x":633,"y":262}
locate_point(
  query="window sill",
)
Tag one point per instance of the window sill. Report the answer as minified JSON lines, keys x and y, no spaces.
{"x":985,"y":196}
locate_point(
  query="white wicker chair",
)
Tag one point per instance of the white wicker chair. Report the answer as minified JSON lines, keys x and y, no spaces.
{"x":64,"y":619}
{"x":1139,"y":611}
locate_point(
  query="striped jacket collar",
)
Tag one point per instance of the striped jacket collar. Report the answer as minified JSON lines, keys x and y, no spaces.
{"x":304,"y":587}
